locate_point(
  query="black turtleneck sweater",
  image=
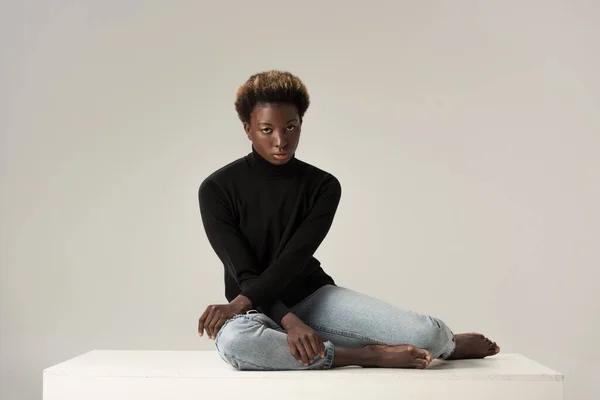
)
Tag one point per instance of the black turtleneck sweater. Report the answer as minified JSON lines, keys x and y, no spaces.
{"x":265,"y":222}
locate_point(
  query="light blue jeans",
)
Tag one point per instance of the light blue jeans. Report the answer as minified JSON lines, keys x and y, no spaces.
{"x":342,"y":317}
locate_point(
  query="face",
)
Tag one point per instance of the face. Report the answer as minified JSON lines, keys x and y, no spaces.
{"x":274,"y":130}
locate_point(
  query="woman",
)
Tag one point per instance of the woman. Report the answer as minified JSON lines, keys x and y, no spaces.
{"x":265,"y":215}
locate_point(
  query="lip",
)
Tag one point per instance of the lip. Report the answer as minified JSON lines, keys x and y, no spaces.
{"x":280,"y":155}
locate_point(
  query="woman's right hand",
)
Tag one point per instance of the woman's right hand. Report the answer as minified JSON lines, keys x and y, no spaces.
{"x":304,"y":342}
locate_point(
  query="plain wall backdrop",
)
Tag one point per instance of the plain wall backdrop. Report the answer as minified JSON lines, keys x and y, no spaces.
{"x":466,"y":136}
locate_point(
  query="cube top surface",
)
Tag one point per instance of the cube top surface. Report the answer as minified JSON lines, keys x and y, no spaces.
{"x":208,"y":364}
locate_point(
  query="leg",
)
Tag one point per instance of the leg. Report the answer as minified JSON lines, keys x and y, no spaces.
{"x":351,"y":319}
{"x":255,"y":342}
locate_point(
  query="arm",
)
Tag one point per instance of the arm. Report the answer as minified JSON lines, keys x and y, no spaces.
{"x":232,"y":248}
{"x":302,"y":245}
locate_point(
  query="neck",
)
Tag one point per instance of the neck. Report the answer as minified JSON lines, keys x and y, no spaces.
{"x":272,"y":170}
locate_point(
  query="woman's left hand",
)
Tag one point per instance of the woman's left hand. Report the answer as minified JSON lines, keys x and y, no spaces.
{"x":214,"y":317}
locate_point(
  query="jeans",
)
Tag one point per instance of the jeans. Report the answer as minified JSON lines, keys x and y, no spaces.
{"x":342,"y":317}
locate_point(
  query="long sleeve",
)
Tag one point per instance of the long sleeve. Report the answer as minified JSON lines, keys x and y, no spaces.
{"x":231,"y":247}
{"x":224,"y":236}
{"x":296,"y":254}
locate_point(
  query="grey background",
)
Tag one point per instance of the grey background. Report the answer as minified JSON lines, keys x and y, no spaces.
{"x":465,"y":135}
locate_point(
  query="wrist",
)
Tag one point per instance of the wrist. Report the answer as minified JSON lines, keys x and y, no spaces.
{"x":241,"y":304}
{"x":290,"y":320}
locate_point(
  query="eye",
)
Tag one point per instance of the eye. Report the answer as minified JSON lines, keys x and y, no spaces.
{"x":291,"y":128}
{"x":266,"y":130}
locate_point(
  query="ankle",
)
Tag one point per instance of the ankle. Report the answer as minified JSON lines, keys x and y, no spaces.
{"x":371,"y":356}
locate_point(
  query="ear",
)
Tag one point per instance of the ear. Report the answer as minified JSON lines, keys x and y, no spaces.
{"x":247,"y":130}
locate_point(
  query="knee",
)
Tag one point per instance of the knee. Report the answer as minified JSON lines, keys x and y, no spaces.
{"x":434,"y":335}
{"x":234,"y":339}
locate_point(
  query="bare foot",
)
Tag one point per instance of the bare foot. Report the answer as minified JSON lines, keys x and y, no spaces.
{"x":473,"y":345}
{"x":403,"y":356}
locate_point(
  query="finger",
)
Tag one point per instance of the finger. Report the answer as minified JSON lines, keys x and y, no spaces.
{"x":316,"y":349}
{"x":320,"y":345}
{"x":213,"y":324}
{"x":214,"y":321}
{"x":210,"y":324}
{"x":294,"y":351}
{"x":302,"y":352}
{"x":309,"y":350}
{"x":207,"y":323}
{"x":219,"y":325}
{"x":200,"y":327}
{"x":202,"y":321}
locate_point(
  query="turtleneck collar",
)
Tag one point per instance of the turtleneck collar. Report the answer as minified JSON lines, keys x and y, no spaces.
{"x":271,"y":170}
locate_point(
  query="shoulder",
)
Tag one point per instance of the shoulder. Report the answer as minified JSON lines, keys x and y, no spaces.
{"x":323,"y":180}
{"x":220,"y":179}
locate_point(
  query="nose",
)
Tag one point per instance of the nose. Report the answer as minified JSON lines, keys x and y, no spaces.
{"x":279,"y":140}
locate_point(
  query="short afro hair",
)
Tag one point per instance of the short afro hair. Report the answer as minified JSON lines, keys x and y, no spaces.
{"x":271,"y":87}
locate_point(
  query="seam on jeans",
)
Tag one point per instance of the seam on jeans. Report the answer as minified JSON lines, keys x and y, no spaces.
{"x":247,"y":362}
{"x":329,"y":356}
{"x":225,"y":356}
{"x":310,"y":296}
{"x":327,"y":364}
{"x":345,"y":334}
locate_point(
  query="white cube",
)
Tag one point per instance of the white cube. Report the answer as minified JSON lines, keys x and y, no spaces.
{"x":183,"y":375}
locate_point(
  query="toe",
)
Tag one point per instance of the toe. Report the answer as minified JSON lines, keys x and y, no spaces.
{"x":420,"y":363}
{"x":493,"y":350}
{"x":424,"y":354}
{"x":421,"y":353}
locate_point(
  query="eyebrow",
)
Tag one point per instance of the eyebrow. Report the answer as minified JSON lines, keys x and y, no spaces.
{"x":266,"y":123}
